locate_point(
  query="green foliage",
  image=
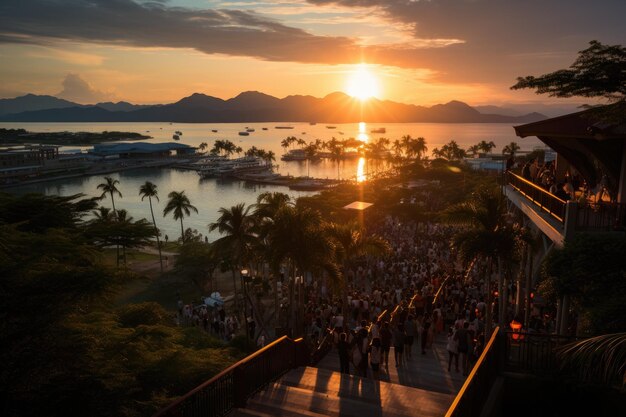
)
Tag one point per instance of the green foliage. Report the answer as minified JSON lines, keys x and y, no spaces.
{"x":600,"y":359}
{"x":64,"y":351}
{"x":133,"y":315}
{"x":196,"y":260}
{"x":599,"y":71}
{"x":592,"y":269}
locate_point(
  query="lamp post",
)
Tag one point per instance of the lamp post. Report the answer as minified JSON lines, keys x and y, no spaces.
{"x":244,"y":274}
{"x":299,"y":281}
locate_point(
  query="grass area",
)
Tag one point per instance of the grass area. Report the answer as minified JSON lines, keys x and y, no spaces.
{"x":132,"y":256}
{"x":162,"y":290}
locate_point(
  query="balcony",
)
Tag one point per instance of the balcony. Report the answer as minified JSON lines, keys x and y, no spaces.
{"x":558,"y":218}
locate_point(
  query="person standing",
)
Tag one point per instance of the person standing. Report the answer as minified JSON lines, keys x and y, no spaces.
{"x":426,"y":323}
{"x":343,"y":348}
{"x":410,"y":329}
{"x":462,"y":336}
{"x":375,"y":356}
{"x":398,"y":343}
{"x":453,"y":350}
{"x":385,"y":342}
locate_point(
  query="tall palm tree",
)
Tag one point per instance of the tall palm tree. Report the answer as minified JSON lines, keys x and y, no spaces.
{"x":353,"y":243}
{"x":419,"y":147}
{"x":148,"y":189}
{"x":237,"y":226}
{"x":179,"y":204}
{"x":486,"y":235}
{"x":110,"y":187}
{"x":299,"y":240}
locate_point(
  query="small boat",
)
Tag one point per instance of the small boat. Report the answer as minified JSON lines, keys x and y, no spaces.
{"x":178,"y":132}
{"x":341,"y":133}
{"x":249,"y":130}
{"x":379,"y":130}
{"x":264,"y":128}
{"x":331,"y":127}
{"x":304,"y":133}
{"x":214,"y":130}
{"x":244,"y":134}
{"x":283,"y":127}
{"x":312,"y":123}
{"x":176,"y":137}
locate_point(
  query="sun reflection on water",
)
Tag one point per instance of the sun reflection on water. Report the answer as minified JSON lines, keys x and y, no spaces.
{"x":362,"y":135}
{"x":360,"y":170}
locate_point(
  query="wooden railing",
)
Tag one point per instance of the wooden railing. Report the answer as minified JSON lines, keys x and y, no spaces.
{"x":471,"y":398}
{"x":603,"y":216}
{"x":532,"y":352}
{"x":547,"y":202}
{"x":232,"y":387}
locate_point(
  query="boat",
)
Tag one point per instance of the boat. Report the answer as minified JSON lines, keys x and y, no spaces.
{"x":233,"y":167}
{"x":312,"y":123}
{"x":178,"y":132}
{"x":294,"y":155}
{"x":176,"y":137}
{"x":244,"y":134}
{"x":264,"y":128}
{"x":379,"y":130}
{"x":331,"y":127}
{"x":283,"y":127}
{"x":341,"y":133}
{"x":214,"y":130}
{"x":249,"y":130}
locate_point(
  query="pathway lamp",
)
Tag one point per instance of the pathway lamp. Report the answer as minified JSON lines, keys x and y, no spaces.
{"x":516,"y":327}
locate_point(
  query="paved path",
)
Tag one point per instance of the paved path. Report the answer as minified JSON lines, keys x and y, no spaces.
{"x":428,"y":371}
{"x":422,"y":387}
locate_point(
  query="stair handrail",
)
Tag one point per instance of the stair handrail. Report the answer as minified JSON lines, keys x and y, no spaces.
{"x":234,"y":385}
{"x":471,"y":397}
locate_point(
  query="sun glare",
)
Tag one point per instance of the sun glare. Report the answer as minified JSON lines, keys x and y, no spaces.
{"x":362,"y":84}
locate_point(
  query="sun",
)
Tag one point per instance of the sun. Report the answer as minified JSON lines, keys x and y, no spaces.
{"x":362,"y":84}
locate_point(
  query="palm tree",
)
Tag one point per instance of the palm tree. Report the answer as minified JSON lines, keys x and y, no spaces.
{"x":511,"y":149}
{"x":485,"y":146}
{"x":149,"y":190}
{"x":600,"y":359}
{"x":485,"y":236}
{"x":298,"y":239}
{"x":352,"y":243}
{"x":473,"y":150}
{"x":110,"y":187}
{"x":237,"y":226}
{"x":419,"y":147}
{"x":203,"y":147}
{"x":179,"y":204}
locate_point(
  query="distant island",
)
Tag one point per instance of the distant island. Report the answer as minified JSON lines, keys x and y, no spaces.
{"x":250,"y":106}
{"x":22,"y":136}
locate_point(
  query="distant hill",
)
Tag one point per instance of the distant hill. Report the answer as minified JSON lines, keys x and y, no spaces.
{"x":253,"y":106}
{"x":31,"y":102}
{"x":120,"y":106}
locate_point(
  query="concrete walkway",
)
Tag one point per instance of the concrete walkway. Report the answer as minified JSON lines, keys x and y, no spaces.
{"x":421,"y":387}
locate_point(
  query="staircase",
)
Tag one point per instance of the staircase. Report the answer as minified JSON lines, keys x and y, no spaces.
{"x":420,"y":387}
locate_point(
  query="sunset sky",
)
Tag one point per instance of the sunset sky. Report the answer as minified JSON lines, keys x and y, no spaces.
{"x":416,"y":51}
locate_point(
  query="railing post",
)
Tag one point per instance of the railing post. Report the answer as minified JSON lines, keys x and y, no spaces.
{"x":571,"y":217}
{"x":239,"y":379}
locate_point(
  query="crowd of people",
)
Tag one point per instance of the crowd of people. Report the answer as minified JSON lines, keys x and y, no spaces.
{"x":403,"y":300}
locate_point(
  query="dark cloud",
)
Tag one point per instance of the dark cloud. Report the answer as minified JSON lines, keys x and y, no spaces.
{"x":501,"y":38}
{"x":501,"y":35}
{"x":154,"y":24}
{"x":76,"y":89}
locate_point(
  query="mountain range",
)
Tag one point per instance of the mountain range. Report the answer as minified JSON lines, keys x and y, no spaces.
{"x":252,"y":106}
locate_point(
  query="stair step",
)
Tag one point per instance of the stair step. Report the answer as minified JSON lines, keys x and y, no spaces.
{"x":283,"y":400}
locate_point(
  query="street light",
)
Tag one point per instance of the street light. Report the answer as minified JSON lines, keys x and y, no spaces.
{"x":299,"y":281}
{"x":244,"y":277}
